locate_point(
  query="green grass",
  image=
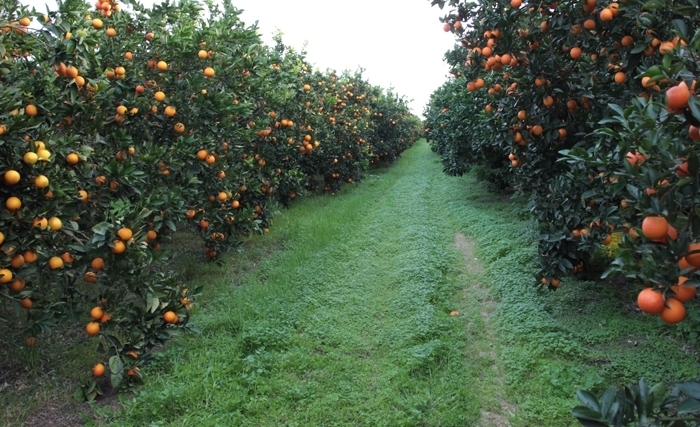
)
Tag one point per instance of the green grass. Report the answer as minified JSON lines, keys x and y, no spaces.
{"x":340,"y":317}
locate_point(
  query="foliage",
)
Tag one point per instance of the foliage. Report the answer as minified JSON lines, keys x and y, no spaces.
{"x":641,"y":406}
{"x":114,"y":130}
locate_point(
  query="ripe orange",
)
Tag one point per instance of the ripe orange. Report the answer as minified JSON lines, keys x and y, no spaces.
{"x":515,"y":3}
{"x":674,"y":312}
{"x":522,"y":115}
{"x":125,"y":233}
{"x":179,"y":128}
{"x":159,"y":96}
{"x":30,"y":158}
{"x":589,"y":24}
{"x":575,"y":52}
{"x":119,"y":247}
{"x":190,"y":213}
{"x":677,"y":97}
{"x":97,"y":23}
{"x":97,"y":313}
{"x":72,"y":159}
{"x":683,"y":292}
{"x":548,"y":101}
{"x":202,"y":54}
{"x":97,"y":264}
{"x":55,"y":263}
{"x":17,"y":285}
{"x":162,"y":65}
{"x":26,"y":303}
{"x":5,"y":275}
{"x":90,"y":277}
{"x":620,"y":77}
{"x":111,"y":32}
{"x":170,"y":317}
{"x":98,"y":370}
{"x":92,"y":328}
{"x":693,"y":258}
{"x":30,"y":257}
{"x":31,"y":110}
{"x":209,"y":72}
{"x":606,"y":15}
{"x":627,"y":41}
{"x":307,"y":88}
{"x":12,"y":177}
{"x":655,"y":227}
{"x":13,"y":204}
{"x":169,"y":111}
{"x":650,"y":301}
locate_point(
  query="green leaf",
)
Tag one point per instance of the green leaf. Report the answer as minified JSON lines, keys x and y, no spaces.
{"x":588,"y":400}
{"x":101,"y":228}
{"x":690,"y":389}
{"x":689,"y":406}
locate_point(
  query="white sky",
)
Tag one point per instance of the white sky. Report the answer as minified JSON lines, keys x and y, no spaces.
{"x":399,"y":43}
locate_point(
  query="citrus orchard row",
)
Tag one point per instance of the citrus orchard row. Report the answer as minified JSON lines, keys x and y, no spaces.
{"x":589,"y":107}
{"x":117,"y":124}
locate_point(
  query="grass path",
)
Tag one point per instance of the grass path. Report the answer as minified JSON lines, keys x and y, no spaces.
{"x":340,"y":317}
{"x":346,"y":322}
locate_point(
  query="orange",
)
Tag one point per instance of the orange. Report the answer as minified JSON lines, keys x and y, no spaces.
{"x":55,"y":263}
{"x":575,"y":52}
{"x":30,"y":158}
{"x":111,"y":32}
{"x":54,"y":223}
{"x":606,"y":15}
{"x":90,"y":277}
{"x":11,"y":177}
{"x":209,"y":72}
{"x":98,"y":370}
{"x":650,"y":301}
{"x":92,"y":328}
{"x":308,"y":87}
{"x":159,"y":96}
{"x":151,"y":235}
{"x":119,"y":247}
{"x":655,"y":227}
{"x":694,"y":257}
{"x":17,"y":285}
{"x":627,"y":41}
{"x":5,"y":275}
{"x":97,"y":23}
{"x":169,"y":111}
{"x":26,"y":303}
{"x":17,"y":261}
{"x":30,"y":257}
{"x":683,"y":292}
{"x":72,"y":159}
{"x":13,"y":204}
{"x":97,"y":264}
{"x":515,"y":3}
{"x":620,"y":77}
{"x":67,"y":258}
{"x":202,"y":54}
{"x":170,"y":317}
{"x":674,"y":312}
{"x":522,"y":115}
{"x":589,"y":24}
{"x":179,"y":128}
{"x":125,"y":233}
{"x":548,"y":101}
{"x":97,"y":313}
{"x":162,"y":65}
{"x":31,"y":110}
{"x":677,"y":97}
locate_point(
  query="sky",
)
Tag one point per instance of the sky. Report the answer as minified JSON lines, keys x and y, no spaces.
{"x":399,"y":43}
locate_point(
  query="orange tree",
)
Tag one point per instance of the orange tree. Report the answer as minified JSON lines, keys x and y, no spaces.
{"x":117,"y":126}
{"x":590,"y":107}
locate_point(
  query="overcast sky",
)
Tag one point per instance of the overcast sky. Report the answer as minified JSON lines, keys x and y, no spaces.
{"x":399,"y":43}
